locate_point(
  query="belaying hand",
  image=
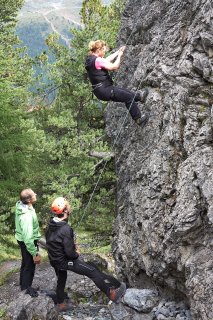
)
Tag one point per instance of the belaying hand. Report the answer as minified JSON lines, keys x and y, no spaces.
{"x":37,"y":259}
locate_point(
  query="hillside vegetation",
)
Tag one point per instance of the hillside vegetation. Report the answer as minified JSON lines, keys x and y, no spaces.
{"x":37,"y":20}
{"x":53,"y":147}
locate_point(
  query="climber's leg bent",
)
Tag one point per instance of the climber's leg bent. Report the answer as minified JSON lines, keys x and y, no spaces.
{"x":117,"y":94}
{"x":128,"y":97}
{"x":81,"y":267}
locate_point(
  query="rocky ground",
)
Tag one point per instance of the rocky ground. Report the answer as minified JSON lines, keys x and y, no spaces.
{"x":88,"y":302}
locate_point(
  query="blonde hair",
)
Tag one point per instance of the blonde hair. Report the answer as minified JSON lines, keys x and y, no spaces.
{"x":96,"y":45}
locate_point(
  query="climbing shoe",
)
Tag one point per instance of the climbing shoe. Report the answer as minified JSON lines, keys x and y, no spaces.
{"x":116,"y":294}
{"x":32,"y":292}
{"x":142,"y":120}
{"x":65,"y":306}
{"x":143,"y":94}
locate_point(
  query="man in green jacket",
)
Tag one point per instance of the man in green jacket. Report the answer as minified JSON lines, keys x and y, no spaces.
{"x":27,"y":234}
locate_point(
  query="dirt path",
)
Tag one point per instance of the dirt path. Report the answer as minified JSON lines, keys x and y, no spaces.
{"x":8,"y":266}
{"x":67,"y":41}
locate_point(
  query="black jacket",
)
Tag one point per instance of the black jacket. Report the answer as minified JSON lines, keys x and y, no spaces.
{"x":97,"y":75}
{"x":60,"y":244}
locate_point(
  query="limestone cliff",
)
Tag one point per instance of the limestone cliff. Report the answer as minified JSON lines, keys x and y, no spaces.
{"x":163,"y":230}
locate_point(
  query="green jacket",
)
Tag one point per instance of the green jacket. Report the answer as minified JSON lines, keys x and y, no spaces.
{"x":27,"y":228}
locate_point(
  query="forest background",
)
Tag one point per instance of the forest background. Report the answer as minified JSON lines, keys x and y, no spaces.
{"x":52,"y":133}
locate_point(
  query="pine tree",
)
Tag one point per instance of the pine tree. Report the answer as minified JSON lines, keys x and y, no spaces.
{"x":19,"y":139}
{"x":75,"y":124}
{"x":56,"y":150}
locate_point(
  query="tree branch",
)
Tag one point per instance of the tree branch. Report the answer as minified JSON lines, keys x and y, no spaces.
{"x":101,"y":155}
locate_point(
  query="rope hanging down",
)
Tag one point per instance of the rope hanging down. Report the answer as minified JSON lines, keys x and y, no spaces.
{"x":116,"y":139}
{"x":102,"y":171}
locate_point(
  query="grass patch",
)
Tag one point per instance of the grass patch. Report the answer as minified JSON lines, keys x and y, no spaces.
{"x":6,"y":275}
{"x":9,"y":249}
{"x":91,"y":242}
{"x":2,"y":313}
{"x":103,"y":250}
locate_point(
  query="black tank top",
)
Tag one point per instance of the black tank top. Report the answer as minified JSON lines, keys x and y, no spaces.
{"x":97,"y":75}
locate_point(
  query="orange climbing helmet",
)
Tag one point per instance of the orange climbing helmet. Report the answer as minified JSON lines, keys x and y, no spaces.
{"x":58,"y":205}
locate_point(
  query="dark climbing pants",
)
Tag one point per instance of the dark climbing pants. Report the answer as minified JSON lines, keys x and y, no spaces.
{"x":61,"y":282}
{"x":27,"y":270}
{"x":102,"y":280}
{"x":117,"y":94}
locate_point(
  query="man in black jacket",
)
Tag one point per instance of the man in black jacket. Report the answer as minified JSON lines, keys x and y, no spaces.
{"x":64,"y":255}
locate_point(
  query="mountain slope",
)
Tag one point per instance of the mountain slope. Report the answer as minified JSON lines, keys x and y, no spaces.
{"x":38,"y":19}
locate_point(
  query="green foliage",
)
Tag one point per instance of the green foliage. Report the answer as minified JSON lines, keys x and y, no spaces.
{"x":2,"y":313}
{"x":8,"y":12}
{"x":92,"y":241}
{"x":9,"y":248}
{"x":75,"y":124}
{"x":51,"y":148}
{"x":102,"y":22}
{"x":19,"y":139}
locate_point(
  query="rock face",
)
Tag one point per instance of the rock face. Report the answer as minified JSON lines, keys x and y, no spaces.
{"x":163,"y":230}
{"x":27,"y":308}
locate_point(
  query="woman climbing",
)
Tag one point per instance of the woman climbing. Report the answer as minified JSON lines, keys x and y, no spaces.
{"x":97,"y":68}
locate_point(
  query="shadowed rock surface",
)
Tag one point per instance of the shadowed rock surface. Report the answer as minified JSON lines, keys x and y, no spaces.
{"x":163,"y":231}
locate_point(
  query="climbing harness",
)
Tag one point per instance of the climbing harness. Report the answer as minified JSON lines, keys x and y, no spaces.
{"x":97,"y":85}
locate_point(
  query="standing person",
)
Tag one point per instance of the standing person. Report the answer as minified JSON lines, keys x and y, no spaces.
{"x":27,"y":234}
{"x":64,"y":255}
{"x":97,"y":69}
